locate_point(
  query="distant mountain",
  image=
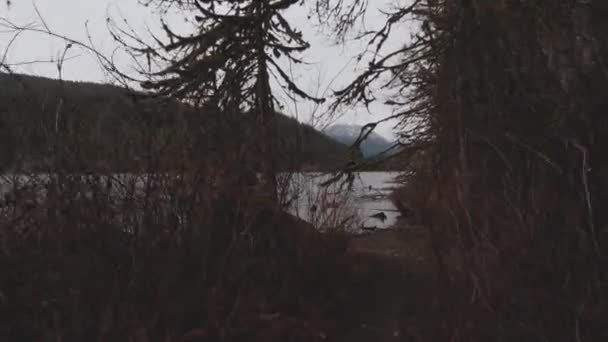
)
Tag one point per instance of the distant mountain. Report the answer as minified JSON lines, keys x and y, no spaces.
{"x":104,"y":128}
{"x":348,"y":134}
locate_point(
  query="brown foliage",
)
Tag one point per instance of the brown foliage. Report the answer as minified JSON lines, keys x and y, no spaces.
{"x":513,"y":185}
{"x":158,"y":258}
{"x":507,"y":162}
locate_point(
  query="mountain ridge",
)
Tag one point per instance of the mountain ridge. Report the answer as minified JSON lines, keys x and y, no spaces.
{"x":347,"y":134}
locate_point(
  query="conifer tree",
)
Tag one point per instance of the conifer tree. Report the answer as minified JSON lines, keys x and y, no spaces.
{"x":228,"y":64}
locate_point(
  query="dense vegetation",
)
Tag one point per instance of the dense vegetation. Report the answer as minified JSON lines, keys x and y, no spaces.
{"x":509,"y":175}
{"x":502,"y":131}
{"x":502,"y":113}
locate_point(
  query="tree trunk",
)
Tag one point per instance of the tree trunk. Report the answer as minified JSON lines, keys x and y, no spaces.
{"x":265,"y":106}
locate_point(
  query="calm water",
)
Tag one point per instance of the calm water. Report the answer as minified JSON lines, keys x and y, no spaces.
{"x":335,"y":205}
{"x":325,"y":206}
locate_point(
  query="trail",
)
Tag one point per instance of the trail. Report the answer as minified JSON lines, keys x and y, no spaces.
{"x":396,"y":299}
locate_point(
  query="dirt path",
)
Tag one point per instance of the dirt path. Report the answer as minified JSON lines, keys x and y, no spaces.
{"x":405,"y":242}
{"x":396,"y":295}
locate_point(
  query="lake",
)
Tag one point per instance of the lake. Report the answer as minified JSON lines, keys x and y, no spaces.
{"x":325,"y":206}
{"x":336,"y":205}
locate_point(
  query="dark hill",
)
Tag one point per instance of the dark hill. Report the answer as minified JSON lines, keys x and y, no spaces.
{"x":104,"y":128}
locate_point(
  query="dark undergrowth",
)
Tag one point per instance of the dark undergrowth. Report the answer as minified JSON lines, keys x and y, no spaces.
{"x":512,"y":182}
{"x":166,"y":259}
{"x":183,"y":257}
{"x":508,"y":177}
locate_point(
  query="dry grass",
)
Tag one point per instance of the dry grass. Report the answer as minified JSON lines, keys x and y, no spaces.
{"x":156,"y":258}
{"x":179,"y":257}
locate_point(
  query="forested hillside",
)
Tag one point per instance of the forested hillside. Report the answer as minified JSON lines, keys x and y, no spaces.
{"x":100,"y":127}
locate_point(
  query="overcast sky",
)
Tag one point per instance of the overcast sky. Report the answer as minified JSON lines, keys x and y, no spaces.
{"x":330,"y":65}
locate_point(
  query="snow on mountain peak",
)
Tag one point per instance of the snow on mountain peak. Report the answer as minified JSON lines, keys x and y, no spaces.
{"x":348,"y":134}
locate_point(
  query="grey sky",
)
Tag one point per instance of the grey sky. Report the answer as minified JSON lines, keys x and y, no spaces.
{"x":327,"y":61}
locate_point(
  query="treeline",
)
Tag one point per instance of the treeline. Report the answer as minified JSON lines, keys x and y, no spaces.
{"x":87,"y":127}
